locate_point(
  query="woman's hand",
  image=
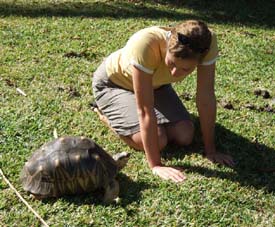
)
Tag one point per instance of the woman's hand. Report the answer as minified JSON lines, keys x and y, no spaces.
{"x":223,"y":159}
{"x":169,"y":173}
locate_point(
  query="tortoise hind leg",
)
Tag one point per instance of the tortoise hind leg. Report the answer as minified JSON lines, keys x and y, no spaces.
{"x":38,"y":197}
{"x":111,"y":191}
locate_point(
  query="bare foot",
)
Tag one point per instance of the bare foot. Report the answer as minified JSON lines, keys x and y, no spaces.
{"x":103,"y":118}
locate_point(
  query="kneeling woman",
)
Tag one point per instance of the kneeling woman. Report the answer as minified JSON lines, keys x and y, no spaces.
{"x":133,"y":93}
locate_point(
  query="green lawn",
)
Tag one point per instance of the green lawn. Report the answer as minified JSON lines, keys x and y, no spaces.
{"x":49,"y":49}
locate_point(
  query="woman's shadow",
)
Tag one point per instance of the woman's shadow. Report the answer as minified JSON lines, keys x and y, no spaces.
{"x":254,"y":162}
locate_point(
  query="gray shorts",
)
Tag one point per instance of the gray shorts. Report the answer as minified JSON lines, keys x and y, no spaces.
{"x":119,"y":104}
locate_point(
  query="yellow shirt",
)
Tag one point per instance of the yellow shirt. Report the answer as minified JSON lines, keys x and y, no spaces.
{"x":146,"y":50}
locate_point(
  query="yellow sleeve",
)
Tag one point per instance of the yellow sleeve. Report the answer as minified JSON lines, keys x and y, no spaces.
{"x":213,"y":52}
{"x":142,"y":50}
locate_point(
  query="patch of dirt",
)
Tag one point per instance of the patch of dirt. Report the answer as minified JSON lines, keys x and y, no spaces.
{"x":261,"y":92}
{"x":10,"y":83}
{"x":61,"y":89}
{"x":269,"y":51}
{"x":249,"y":34}
{"x":227,"y":105}
{"x":272,"y":103}
{"x":250,"y":106}
{"x":269,"y":108}
{"x":72,"y":91}
{"x":186,"y":96}
{"x":73,"y":54}
{"x":266,"y":108}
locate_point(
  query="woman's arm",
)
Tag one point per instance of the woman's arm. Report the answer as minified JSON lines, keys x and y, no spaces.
{"x":148,"y":124}
{"x":143,"y":89}
{"x":206,"y":104}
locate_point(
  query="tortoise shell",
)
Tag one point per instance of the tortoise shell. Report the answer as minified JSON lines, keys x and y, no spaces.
{"x":68,"y":165}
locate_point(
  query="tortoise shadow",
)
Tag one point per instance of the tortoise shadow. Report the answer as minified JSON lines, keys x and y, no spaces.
{"x":130,"y":191}
{"x":255,"y":162}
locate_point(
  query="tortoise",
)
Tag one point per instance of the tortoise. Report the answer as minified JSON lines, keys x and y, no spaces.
{"x":72,"y":165}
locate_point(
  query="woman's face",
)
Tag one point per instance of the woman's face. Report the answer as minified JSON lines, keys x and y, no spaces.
{"x":178,"y":66}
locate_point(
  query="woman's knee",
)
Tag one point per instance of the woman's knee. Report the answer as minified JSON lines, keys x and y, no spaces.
{"x":181,"y":133}
{"x":185,"y":133}
{"x":135,"y":140}
{"x":162,"y":137}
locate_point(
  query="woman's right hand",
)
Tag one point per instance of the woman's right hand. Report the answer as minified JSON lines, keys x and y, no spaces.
{"x":169,"y":173}
{"x":144,"y":93}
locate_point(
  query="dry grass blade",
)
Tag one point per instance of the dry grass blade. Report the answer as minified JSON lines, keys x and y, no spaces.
{"x":22,"y":199}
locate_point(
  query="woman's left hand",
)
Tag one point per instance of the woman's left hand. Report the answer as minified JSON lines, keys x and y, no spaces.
{"x":223,"y":159}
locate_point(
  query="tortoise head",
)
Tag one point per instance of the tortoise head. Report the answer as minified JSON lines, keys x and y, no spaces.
{"x":121,"y":159}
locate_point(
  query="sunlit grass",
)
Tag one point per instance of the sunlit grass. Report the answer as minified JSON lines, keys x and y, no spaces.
{"x":37,"y":47}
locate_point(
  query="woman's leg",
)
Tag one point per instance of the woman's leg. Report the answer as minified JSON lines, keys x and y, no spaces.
{"x":135,"y":140}
{"x":173,"y":115}
{"x":181,"y":132}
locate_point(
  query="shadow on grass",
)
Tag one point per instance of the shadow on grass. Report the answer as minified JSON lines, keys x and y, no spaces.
{"x":246,"y":12}
{"x":255,"y":163}
{"x":119,"y":9}
{"x":249,"y":12}
{"x":130,"y":192}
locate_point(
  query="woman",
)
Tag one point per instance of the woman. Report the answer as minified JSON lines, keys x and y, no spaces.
{"x":133,"y":93}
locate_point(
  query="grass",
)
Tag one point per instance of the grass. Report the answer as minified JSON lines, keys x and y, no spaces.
{"x":38,"y":40}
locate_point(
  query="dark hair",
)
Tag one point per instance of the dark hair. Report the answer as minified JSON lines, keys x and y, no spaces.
{"x":190,"y":39}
